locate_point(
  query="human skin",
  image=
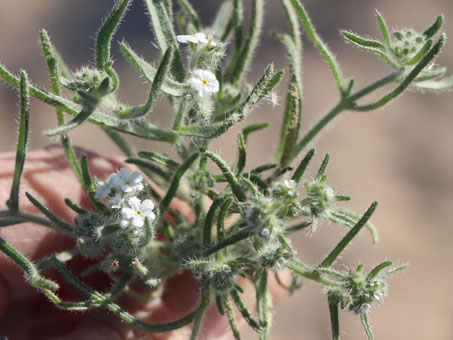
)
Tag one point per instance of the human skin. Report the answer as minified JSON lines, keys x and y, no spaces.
{"x":25,"y":314}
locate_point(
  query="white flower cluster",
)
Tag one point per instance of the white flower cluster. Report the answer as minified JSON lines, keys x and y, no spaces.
{"x":121,"y":191}
{"x":202,"y":82}
{"x":197,"y":39}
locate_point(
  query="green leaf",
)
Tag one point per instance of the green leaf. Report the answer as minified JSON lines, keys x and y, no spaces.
{"x":384,"y":30}
{"x":229,"y":175}
{"x":89,"y":188}
{"x":375,"y":271}
{"x":158,"y":81}
{"x":290,"y":127}
{"x":294,"y":24}
{"x":13,"y":201}
{"x":165,"y":36}
{"x":333,"y":309}
{"x":171,"y":192}
{"x":32,"y":274}
{"x":366,"y":326}
{"x":244,"y":311}
{"x":303,"y":166}
{"x":62,"y":225}
{"x":242,"y":154}
{"x":372,"y":46}
{"x":75,"y":122}
{"x":323,"y":167}
{"x":54,"y":65}
{"x":434,"y":28}
{"x":222,"y":20}
{"x":231,"y":318}
{"x":252,"y":128}
{"x":362,"y":42}
{"x":170,"y":87}
{"x":241,"y":61}
{"x":190,"y":12}
{"x":330,"y":259}
{"x":263,"y":303}
{"x":320,"y":45}
{"x":105,"y":34}
{"x":160,"y":159}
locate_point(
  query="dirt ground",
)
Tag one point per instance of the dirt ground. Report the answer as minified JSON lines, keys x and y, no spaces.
{"x":400,"y":155}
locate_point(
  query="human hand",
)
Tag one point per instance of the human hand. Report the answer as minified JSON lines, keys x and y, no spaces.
{"x":26,"y":314}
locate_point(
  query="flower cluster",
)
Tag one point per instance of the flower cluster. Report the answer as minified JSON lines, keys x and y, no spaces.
{"x":121,"y":191}
{"x":221,"y":274}
{"x":197,"y":40}
{"x":204,"y":57}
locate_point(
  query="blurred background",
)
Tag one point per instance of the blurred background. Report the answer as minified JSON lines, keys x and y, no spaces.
{"x":400,"y":155}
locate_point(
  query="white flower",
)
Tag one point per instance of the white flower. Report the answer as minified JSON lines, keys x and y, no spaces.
{"x":102,"y":190}
{"x":115,"y":201}
{"x":126,"y":181}
{"x":197,"y":38}
{"x":137,"y":212}
{"x":226,"y":268}
{"x":204,"y":83}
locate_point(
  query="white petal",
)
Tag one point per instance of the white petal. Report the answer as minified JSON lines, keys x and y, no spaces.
{"x":127,"y":213}
{"x":138,"y":187}
{"x":195,"y":83}
{"x":126,"y":188}
{"x":114,"y":181}
{"x":136,"y":177}
{"x":138,"y":222}
{"x":134,"y":202}
{"x":124,"y":224}
{"x":204,"y":92}
{"x":182,"y":38}
{"x":147,"y":205}
{"x":124,"y":174}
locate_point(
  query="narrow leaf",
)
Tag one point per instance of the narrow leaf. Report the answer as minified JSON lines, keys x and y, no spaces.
{"x":375,"y":271}
{"x":362,"y":42}
{"x":158,"y":81}
{"x":169,"y":86}
{"x":303,"y":166}
{"x":241,"y":63}
{"x":222,"y":19}
{"x":13,"y":202}
{"x":366,"y":326}
{"x":434,"y":28}
{"x":323,"y":167}
{"x":105,"y":34}
{"x":163,"y":31}
{"x":62,"y":225}
{"x":384,"y":30}
{"x":190,"y":12}
{"x":330,"y":259}
{"x":160,"y":159}
{"x":175,"y":183}
{"x":333,"y":309}
{"x":320,"y":45}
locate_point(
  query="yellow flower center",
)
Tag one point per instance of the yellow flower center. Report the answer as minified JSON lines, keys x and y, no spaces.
{"x":139,"y":212}
{"x":204,"y":82}
{"x":127,"y":182}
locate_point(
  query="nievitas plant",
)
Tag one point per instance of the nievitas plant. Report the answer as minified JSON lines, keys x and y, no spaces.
{"x":134,"y":233}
